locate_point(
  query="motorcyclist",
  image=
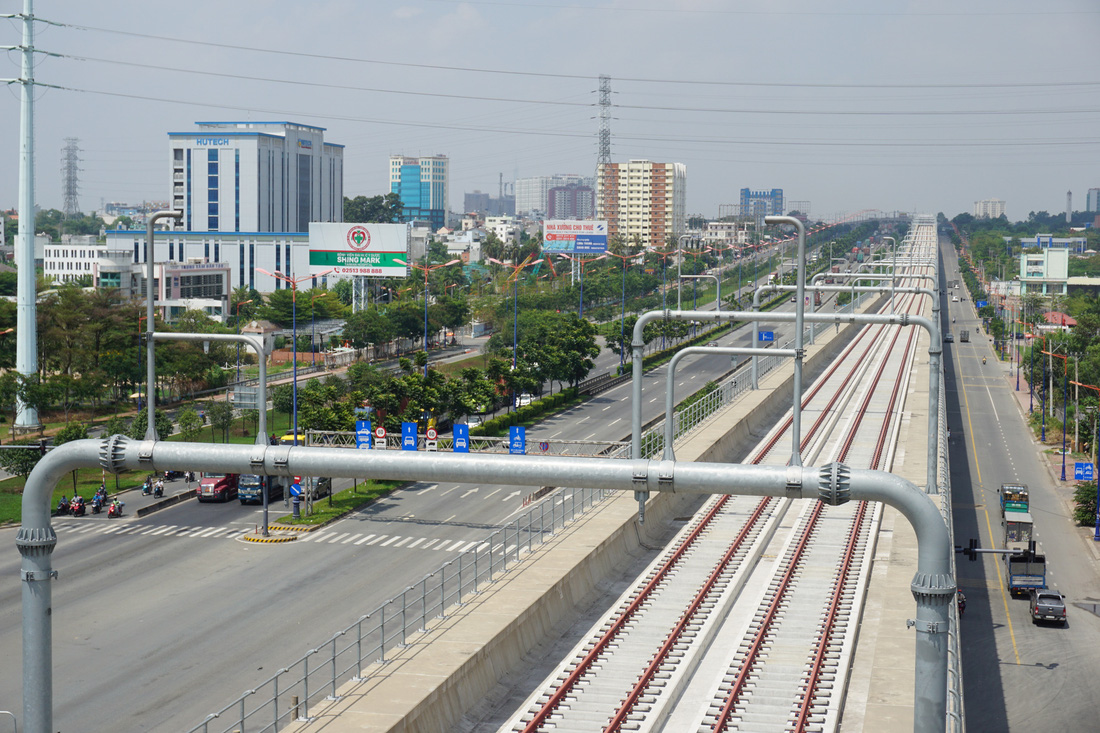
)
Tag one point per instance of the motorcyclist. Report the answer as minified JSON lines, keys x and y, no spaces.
{"x":147,"y":487}
{"x":983,"y":360}
{"x":960,"y":598}
{"x":116,"y":508}
{"x":63,"y":504}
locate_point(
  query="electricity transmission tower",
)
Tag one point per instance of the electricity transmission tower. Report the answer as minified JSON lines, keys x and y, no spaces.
{"x":70,"y":176}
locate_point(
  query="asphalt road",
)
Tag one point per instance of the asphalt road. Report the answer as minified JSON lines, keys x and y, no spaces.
{"x":160,"y":620}
{"x":1018,"y":676}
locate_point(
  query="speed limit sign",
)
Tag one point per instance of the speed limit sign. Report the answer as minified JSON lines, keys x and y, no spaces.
{"x":380,"y":432}
{"x":432,"y":434}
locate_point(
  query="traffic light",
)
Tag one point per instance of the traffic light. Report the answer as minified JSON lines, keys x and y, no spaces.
{"x":972,"y":550}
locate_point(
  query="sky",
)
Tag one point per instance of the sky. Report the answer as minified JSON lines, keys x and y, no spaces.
{"x":852,"y":104}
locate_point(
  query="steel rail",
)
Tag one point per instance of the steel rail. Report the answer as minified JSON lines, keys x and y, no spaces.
{"x":748,"y":663}
{"x":581,"y":668}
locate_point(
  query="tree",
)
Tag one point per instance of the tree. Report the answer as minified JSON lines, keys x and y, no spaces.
{"x":19,"y":461}
{"x":282,"y":400}
{"x":115,"y":426}
{"x":383,"y":208}
{"x":161,"y":421}
{"x":190,"y":424}
{"x":220,"y":416}
{"x":71,"y":431}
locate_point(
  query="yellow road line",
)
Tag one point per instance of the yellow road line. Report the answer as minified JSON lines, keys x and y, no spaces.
{"x":989,"y":526}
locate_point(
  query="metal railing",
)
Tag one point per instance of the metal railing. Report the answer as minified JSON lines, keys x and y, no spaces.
{"x":317,"y":675}
{"x":478,"y":444}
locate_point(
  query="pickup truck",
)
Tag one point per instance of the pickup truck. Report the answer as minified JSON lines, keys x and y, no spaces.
{"x":1048,"y":605}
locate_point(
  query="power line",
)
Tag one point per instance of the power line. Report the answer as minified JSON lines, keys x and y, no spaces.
{"x":546,"y":75}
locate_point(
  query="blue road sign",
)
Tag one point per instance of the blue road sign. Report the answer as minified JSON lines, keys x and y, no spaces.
{"x":517,"y":439}
{"x":461,"y":438}
{"x":1082,"y":471}
{"x":362,"y":434}
{"x":295,"y":489}
{"x":981,"y":303}
{"x":408,"y":436}
{"x":767,"y":336}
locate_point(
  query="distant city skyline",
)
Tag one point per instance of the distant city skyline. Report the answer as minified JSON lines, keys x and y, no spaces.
{"x":915,"y":108}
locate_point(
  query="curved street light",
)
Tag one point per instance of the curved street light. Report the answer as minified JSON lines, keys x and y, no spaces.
{"x":293,"y":282}
{"x":426,"y":269}
{"x":243,"y":302}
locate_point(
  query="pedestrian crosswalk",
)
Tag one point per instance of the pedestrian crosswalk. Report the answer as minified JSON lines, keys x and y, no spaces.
{"x":334,"y":537}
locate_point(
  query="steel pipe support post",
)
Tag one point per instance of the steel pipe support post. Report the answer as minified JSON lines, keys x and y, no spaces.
{"x":670,"y":381}
{"x":799,"y":333}
{"x":150,"y":325}
{"x":933,"y":584}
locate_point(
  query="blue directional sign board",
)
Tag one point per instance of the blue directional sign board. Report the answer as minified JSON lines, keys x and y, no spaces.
{"x":981,"y":303}
{"x":461,"y":438}
{"x":362,"y":434}
{"x":295,"y":489}
{"x":517,"y":439}
{"x":408,"y":436}
{"x":766,"y":336}
{"x":1082,"y":471}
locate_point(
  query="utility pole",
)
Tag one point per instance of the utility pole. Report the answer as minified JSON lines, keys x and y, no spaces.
{"x":70,"y":177}
{"x":26,"y":326}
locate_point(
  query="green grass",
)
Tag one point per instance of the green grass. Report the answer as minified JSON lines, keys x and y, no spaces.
{"x":343,"y":502}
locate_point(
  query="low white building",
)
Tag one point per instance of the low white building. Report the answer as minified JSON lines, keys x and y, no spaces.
{"x":506,"y":228}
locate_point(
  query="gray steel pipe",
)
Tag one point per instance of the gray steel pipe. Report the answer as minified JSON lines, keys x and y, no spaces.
{"x":670,"y":380}
{"x":933,"y":585}
{"x":799,"y":336}
{"x":150,"y":292}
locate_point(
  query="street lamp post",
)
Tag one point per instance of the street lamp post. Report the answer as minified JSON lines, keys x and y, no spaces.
{"x":679,"y":266}
{"x":293,"y":282}
{"x":583,"y":262}
{"x":140,"y":319}
{"x":313,"y":329}
{"x":243,"y":302}
{"x":515,"y":305}
{"x":426,"y":269}
{"x":622,"y":320}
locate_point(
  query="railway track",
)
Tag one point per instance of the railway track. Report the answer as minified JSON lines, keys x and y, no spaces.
{"x":746,"y":622}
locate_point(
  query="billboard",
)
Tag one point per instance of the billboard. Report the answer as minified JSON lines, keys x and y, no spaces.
{"x":358,"y":249}
{"x":560,"y":235}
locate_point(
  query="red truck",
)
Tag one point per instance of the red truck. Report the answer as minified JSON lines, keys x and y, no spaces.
{"x":217,"y":487}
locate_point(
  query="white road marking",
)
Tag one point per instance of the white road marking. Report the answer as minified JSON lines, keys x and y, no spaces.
{"x":208,"y":532}
{"x":162,"y":530}
{"x":338,"y":537}
{"x":448,"y":491}
{"x":359,"y":542}
{"x":403,"y":541}
{"x":390,"y":541}
{"x":555,"y":434}
{"x":494,"y":491}
{"x":429,"y":544}
{"x":615,"y":421}
{"x":457,"y":544}
{"x":449,"y":518}
{"x":471,"y":491}
{"x":417,"y":542}
{"x":380,"y":537}
{"x":468,"y":546}
{"x":590,"y":437}
{"x":511,"y":496}
{"x":349,"y":539}
{"x":604,"y":409}
{"x":583,"y":419}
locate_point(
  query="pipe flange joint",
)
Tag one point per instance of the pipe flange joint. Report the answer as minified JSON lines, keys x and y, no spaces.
{"x":666,"y":474}
{"x":112,"y":452}
{"x":35,"y":541}
{"x":794,"y":482}
{"x":933,"y":588}
{"x":834,"y":484}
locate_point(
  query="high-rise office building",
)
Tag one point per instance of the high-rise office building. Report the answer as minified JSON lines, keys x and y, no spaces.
{"x":758,"y":204}
{"x":989,"y":209}
{"x":255,"y":177}
{"x":642,"y":200}
{"x":1092,"y":201}
{"x":573,"y":201}
{"x":422,"y":184}
{"x":533,"y":194}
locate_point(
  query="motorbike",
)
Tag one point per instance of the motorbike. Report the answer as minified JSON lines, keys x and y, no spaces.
{"x":77,"y":507}
{"x":147,"y":488}
{"x":97,"y":504}
{"x":170,"y":475}
{"x":158,"y":490}
{"x":62,"y":508}
{"x":115,"y":510}
{"x":983,"y":360}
